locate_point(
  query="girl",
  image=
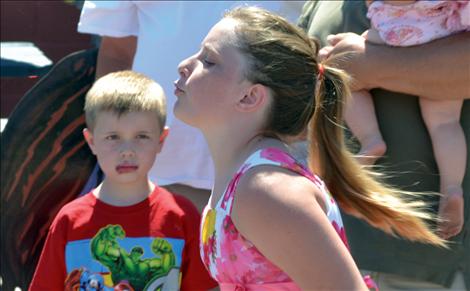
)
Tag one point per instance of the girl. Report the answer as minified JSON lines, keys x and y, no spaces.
{"x":407,"y":23}
{"x":270,"y":224}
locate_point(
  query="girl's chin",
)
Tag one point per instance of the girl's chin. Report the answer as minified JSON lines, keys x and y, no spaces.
{"x":181,"y":116}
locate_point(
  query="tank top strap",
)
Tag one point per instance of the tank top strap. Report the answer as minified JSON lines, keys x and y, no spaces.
{"x":276,"y":157}
{"x":262,"y":157}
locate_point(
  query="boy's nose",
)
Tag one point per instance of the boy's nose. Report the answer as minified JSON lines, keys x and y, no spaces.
{"x":127,"y":150}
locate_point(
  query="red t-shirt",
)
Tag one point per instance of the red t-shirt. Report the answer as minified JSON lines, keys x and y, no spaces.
{"x":148,"y":245}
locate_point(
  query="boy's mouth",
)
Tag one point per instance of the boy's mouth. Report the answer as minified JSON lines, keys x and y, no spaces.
{"x":122,"y":169}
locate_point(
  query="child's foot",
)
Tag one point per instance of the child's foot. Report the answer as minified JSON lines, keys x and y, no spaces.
{"x":451,"y":213}
{"x":371,"y":151}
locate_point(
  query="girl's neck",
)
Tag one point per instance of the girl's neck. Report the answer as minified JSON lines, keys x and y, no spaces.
{"x":230,"y":153}
{"x":122,"y":194}
{"x":226,"y":152}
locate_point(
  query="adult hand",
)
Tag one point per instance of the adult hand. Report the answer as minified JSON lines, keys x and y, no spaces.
{"x":437,"y":70}
{"x":349,"y":51}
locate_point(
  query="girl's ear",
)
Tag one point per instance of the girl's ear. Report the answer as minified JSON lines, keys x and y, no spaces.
{"x":256,"y":96}
{"x":89,"y":139}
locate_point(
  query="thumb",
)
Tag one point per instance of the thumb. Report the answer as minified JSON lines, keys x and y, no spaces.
{"x":333,"y":39}
{"x":324,"y":52}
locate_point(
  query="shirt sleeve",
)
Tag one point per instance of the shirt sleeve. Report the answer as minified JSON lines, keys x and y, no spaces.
{"x":51,"y":272}
{"x":194,"y":274}
{"x":109,"y":18}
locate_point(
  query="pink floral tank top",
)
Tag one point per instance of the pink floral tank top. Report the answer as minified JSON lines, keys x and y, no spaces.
{"x":232,"y":260}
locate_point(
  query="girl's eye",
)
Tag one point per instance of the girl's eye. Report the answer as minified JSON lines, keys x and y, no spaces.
{"x":143,"y":136}
{"x":208,"y":63}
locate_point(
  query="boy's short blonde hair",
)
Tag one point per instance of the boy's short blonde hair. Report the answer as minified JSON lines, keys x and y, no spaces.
{"x":123,"y":92}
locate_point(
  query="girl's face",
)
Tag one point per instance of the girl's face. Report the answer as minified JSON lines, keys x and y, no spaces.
{"x":211,"y":81}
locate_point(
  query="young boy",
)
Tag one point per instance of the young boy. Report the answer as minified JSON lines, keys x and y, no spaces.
{"x":127,"y":234}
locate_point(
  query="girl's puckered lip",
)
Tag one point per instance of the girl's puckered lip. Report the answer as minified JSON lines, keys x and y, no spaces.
{"x":178,"y":90}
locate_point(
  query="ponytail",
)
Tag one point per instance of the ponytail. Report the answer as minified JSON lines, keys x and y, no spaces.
{"x":282,"y":57}
{"x":356,"y":189}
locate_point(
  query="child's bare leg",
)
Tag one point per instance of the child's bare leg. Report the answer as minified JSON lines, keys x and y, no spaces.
{"x":442,"y":119}
{"x":373,"y":36}
{"x":360,"y":116}
{"x":361,"y":119}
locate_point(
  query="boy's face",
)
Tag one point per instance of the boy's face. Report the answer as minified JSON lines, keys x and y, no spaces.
{"x":126,"y":146}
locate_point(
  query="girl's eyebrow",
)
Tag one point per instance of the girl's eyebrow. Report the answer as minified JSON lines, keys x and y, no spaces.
{"x":209,"y":48}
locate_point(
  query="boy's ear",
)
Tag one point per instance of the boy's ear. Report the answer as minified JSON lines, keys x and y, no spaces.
{"x":163,"y":136}
{"x":89,"y":139}
{"x":256,"y":95}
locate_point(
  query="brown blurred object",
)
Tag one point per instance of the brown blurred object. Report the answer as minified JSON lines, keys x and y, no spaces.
{"x":51,"y":26}
{"x":44,"y":160}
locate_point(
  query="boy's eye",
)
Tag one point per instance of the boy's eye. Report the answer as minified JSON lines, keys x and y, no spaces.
{"x":143,"y":136}
{"x":112,"y":137}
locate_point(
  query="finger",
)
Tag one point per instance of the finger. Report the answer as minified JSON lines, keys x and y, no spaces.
{"x":333,"y":39}
{"x":325,"y":52}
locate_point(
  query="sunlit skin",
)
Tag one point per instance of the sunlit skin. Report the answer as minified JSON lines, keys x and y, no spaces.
{"x":215,"y":96}
{"x":126,"y":147}
{"x":211,"y":83}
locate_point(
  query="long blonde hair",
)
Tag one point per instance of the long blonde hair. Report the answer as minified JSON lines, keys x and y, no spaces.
{"x":283,"y":58}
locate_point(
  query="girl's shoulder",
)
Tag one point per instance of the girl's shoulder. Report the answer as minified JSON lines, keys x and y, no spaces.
{"x":274,"y":160}
{"x":272,"y":175}
{"x":274,"y":182}
{"x":266,"y":174}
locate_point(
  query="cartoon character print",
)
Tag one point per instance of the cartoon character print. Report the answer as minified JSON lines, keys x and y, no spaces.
{"x":127,"y":270}
{"x":84,"y":280}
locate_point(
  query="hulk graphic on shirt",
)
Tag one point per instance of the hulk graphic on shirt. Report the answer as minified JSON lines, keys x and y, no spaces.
{"x":131,"y":266}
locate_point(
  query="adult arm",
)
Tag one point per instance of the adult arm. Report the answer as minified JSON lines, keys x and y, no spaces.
{"x":115,"y":54}
{"x":279,"y":212}
{"x":117,"y":22}
{"x":438,"y":70}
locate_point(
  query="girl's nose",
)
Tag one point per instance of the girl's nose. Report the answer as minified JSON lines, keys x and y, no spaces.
{"x":184,"y":68}
{"x":184,"y":72}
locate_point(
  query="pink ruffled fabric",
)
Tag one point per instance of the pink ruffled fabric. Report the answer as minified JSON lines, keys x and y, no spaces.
{"x":419,"y":22}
